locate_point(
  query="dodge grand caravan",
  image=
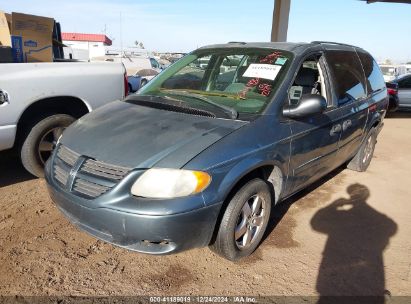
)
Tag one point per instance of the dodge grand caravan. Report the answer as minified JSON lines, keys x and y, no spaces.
{"x":201,"y":154}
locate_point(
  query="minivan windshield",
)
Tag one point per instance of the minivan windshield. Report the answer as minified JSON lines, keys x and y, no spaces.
{"x":228,"y":82}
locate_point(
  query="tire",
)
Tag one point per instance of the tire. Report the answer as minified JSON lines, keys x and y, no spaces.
{"x":362,"y":159}
{"x":40,"y":141}
{"x":143,"y":83}
{"x":231,"y":246}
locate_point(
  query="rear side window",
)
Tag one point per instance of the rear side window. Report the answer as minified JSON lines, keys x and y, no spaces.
{"x":348,"y":76}
{"x":375,"y":79}
{"x":405,"y":83}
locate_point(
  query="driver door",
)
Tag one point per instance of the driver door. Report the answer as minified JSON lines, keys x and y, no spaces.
{"x":314,"y":142}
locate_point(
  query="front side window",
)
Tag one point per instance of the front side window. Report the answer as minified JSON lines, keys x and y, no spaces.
{"x":240,"y":79}
{"x":375,"y":79}
{"x":348,"y":76}
{"x":154,"y":63}
{"x":309,"y":80}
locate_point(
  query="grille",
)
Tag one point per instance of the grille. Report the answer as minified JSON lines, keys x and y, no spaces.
{"x":88,"y":188}
{"x":93,"y":179}
{"x":60,"y":175}
{"x":67,"y":155}
{"x":104,"y":170}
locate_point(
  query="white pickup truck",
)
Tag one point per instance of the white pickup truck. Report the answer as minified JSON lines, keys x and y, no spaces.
{"x":39,"y":100}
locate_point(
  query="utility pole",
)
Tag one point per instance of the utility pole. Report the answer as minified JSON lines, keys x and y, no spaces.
{"x":281,"y":15}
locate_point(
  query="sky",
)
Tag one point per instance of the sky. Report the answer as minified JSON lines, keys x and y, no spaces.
{"x":383,"y":29}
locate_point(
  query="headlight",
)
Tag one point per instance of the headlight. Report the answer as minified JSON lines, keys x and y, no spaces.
{"x":170,"y":183}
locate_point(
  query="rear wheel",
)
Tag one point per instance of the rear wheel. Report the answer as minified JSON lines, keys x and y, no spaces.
{"x":362,"y":159}
{"x":244,"y":221}
{"x":41,"y":140}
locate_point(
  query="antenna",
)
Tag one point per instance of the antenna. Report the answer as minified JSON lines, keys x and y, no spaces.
{"x":121,"y":39}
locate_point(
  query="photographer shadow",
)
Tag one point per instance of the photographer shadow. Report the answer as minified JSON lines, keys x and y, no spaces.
{"x":352,"y":263}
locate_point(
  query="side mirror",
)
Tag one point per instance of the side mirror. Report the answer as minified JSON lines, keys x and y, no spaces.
{"x":309,"y":104}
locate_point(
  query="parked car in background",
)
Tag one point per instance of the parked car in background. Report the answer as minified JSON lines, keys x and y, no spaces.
{"x":392,"y":90}
{"x":184,"y":164}
{"x":135,"y":82}
{"x":391,"y":72}
{"x":140,"y":79}
{"x":39,"y":100}
{"x":404,"y":90}
{"x":140,"y":69}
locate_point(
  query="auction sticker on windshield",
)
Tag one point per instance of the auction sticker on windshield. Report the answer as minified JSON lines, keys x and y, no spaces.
{"x":262,"y":70}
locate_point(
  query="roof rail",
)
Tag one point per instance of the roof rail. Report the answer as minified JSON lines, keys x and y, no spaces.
{"x":331,"y":42}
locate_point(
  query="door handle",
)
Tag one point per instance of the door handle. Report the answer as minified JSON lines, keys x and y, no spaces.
{"x":346,"y":124}
{"x":4,"y":97}
{"x":335,"y":129}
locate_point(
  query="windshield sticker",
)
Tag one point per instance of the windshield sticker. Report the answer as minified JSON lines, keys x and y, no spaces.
{"x":266,"y":71}
{"x":281,"y":61}
{"x":262,"y":88}
{"x":265,"y":89}
{"x":270,"y":58}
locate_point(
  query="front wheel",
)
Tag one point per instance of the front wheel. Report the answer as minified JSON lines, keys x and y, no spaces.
{"x":143,"y":83}
{"x":41,"y":140}
{"x":244,"y":221}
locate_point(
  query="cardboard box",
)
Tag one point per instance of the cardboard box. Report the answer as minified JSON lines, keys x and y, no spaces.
{"x":31,"y":38}
{"x":4,"y":30}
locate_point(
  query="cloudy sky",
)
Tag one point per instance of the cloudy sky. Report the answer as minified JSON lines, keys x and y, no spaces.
{"x":183,"y":25}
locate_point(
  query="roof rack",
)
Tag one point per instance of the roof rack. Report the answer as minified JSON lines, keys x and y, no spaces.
{"x":331,"y":42}
{"x":237,"y":42}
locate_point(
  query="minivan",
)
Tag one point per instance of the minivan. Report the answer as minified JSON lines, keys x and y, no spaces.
{"x":202,"y":153}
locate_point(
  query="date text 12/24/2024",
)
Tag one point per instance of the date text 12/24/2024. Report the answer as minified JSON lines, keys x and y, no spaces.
{"x":202,"y":299}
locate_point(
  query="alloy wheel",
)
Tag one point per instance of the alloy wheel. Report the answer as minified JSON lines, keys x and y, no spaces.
{"x":368,"y":149}
{"x":48,"y":143}
{"x":250,"y":222}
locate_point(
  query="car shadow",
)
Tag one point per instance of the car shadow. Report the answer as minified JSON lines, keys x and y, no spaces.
{"x":281,"y":209}
{"x":352,"y":263}
{"x":399,"y":114}
{"x":11,"y":169}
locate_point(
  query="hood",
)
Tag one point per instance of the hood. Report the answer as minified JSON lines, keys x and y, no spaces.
{"x":136,"y":136}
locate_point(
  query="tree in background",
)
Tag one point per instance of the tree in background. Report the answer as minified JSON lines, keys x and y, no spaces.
{"x":139,"y":44}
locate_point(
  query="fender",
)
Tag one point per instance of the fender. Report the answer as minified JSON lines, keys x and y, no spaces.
{"x":374,"y":118}
{"x":244,"y":167}
{"x":37,"y":99}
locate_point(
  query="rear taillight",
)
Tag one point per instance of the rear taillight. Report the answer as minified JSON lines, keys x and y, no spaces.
{"x":392,"y":91}
{"x":126,"y":91}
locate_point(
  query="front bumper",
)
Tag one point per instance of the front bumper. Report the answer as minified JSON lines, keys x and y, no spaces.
{"x":152,"y":234}
{"x":7,"y":135}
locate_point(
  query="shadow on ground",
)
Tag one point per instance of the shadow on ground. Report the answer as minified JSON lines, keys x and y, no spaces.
{"x":352,"y":262}
{"x":281,"y":209}
{"x":399,"y":114}
{"x":11,"y":169}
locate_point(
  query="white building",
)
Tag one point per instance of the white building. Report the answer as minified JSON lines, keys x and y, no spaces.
{"x":85,"y":46}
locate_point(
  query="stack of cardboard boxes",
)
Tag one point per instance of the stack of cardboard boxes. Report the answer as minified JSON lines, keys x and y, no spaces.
{"x":26,"y":38}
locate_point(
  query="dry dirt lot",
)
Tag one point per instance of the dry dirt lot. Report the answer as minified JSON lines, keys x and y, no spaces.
{"x":324,"y":241}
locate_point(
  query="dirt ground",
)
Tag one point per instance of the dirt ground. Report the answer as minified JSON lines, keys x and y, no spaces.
{"x":325,"y":241}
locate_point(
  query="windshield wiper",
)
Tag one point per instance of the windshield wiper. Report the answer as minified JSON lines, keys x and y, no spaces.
{"x":172,"y":105}
{"x":230,"y":111}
